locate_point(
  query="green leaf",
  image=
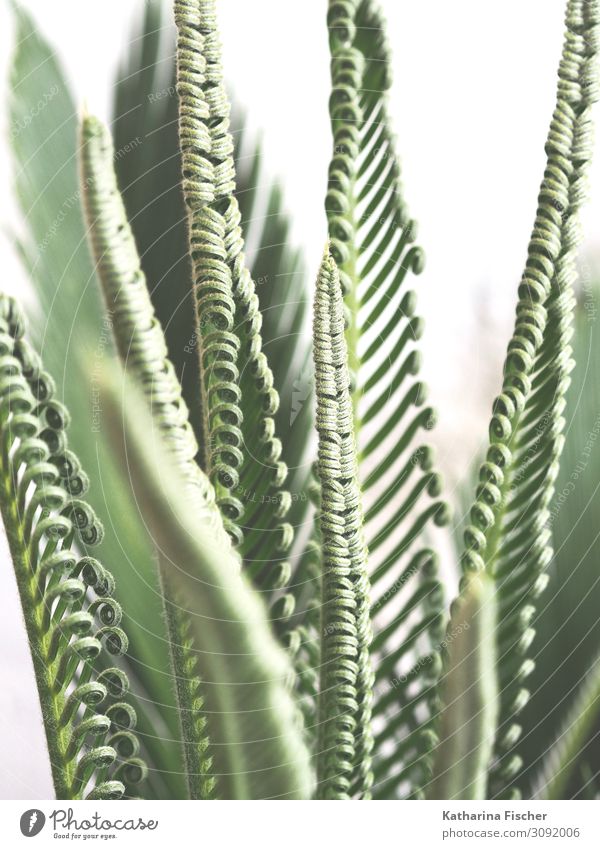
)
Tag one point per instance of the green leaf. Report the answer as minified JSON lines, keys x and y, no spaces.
{"x":345,"y":695}
{"x":372,"y":242}
{"x":146,"y":108}
{"x":71,"y":615}
{"x":567,"y":625}
{"x":72,"y":332}
{"x":145,"y":122}
{"x":142,"y":348}
{"x":469,"y":696}
{"x":508,"y":536}
{"x":240,"y":450}
{"x":138,"y":334}
{"x":259,"y":751}
{"x":281,"y":287}
{"x":563,"y":756}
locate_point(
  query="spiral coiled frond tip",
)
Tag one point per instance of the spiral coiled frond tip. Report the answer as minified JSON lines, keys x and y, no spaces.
{"x":508,"y":535}
{"x":345,"y":737}
{"x":242,"y":453}
{"x":71,"y":614}
{"x":373,"y":243}
{"x":143,"y":350}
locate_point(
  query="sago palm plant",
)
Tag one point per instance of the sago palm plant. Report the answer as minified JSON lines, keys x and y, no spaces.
{"x":248,"y":630}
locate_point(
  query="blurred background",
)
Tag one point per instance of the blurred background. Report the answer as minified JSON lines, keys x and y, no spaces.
{"x":474,"y":88}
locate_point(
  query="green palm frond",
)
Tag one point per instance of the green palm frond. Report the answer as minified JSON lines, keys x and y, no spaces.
{"x":252,"y":660}
{"x":563,"y":756}
{"x":468,"y":695}
{"x":138,"y":334}
{"x":345,"y":696}
{"x":149,"y":176}
{"x":282,"y":292}
{"x":142,"y":348}
{"x":73,"y":333}
{"x":395,"y":470}
{"x":508,"y":536}
{"x":258,"y":747}
{"x":567,"y":625}
{"x":241,"y":452}
{"x":146,"y":110}
{"x":89,"y":724}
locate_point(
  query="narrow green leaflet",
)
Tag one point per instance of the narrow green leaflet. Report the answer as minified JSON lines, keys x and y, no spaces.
{"x":563,"y":756}
{"x":68,"y":598}
{"x":469,"y":696}
{"x":258,"y":745}
{"x":508,"y":536}
{"x":372,"y":242}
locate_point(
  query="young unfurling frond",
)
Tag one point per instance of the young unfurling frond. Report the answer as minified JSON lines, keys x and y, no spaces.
{"x":508,"y":536}
{"x":372,"y":241}
{"x":68,"y":597}
{"x":141,"y":345}
{"x":344,"y":715}
{"x":241,"y":451}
